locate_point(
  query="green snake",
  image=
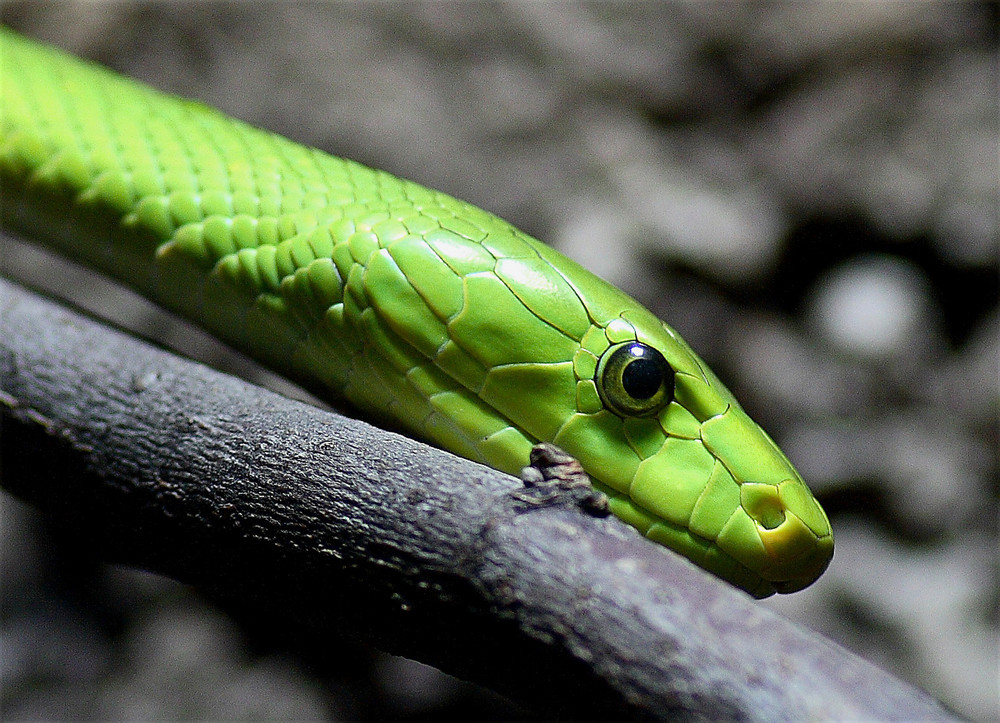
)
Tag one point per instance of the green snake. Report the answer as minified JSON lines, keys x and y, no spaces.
{"x":417,"y":309}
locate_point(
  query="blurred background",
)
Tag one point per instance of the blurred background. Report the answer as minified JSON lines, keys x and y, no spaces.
{"x":808,"y":192}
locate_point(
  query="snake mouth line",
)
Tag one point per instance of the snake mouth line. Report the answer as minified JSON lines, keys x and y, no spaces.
{"x":701,"y":550}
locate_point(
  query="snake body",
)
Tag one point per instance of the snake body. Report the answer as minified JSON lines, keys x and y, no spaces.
{"x":418,"y":309}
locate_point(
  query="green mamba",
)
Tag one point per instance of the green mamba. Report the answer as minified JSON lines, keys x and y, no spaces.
{"x":416,"y":308}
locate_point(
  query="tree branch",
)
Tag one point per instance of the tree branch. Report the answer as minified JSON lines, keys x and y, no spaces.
{"x":336,"y":528}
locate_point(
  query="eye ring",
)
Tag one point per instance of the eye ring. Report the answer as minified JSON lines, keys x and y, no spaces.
{"x":634,"y":379}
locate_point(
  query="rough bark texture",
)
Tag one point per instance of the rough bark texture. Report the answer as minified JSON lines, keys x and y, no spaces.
{"x":337,"y":528}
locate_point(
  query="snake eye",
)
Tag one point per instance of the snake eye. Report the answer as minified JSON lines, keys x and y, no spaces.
{"x":634,"y":380}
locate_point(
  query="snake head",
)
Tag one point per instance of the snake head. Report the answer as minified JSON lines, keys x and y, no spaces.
{"x":691,"y":470}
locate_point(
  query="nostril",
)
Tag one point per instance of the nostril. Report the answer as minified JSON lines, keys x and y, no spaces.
{"x":762,"y":503}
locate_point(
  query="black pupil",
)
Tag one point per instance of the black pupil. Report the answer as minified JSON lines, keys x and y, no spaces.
{"x":642,"y":377}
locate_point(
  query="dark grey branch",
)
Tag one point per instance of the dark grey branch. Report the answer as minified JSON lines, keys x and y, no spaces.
{"x":337,"y":528}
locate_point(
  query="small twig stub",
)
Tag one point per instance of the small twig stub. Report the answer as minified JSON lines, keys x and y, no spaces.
{"x":555,"y":478}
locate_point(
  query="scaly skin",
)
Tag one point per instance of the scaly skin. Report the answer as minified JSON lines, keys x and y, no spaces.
{"x":416,"y":308}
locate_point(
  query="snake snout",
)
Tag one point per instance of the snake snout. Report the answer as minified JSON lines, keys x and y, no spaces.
{"x":763,"y":503}
{"x":793,"y":529}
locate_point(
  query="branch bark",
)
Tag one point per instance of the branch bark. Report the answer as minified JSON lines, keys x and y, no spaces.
{"x":336,"y":528}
